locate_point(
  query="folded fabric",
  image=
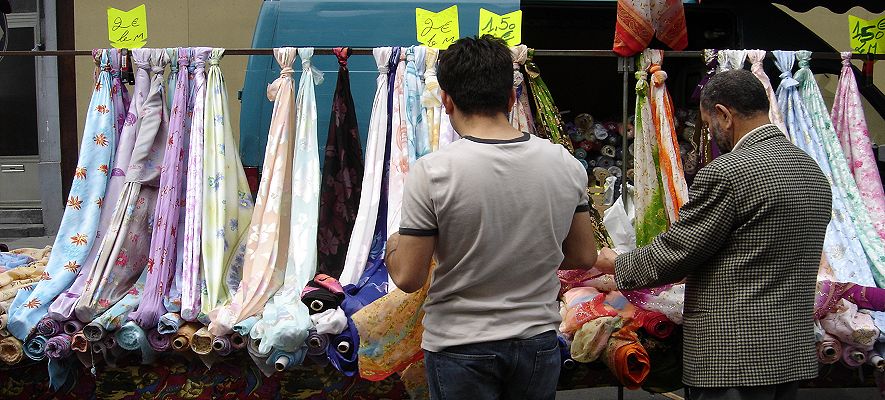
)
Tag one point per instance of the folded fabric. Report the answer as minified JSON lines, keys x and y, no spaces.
{"x":131,"y":337}
{"x":591,"y":339}
{"x":48,"y":327}
{"x":237,"y":341}
{"x":169,"y":323}
{"x":36,"y":254}
{"x":319,"y":300}
{"x":222,"y":345}
{"x":21,"y":273}
{"x":829,"y":293}
{"x":182,"y":339}
{"x":330,"y":322}
{"x":35,"y":348}
{"x":667,"y":299}
{"x":79,"y":343}
{"x":159,"y":341}
{"x":343,"y":351}
{"x":853,"y":357}
{"x":58,"y":346}
{"x":655,"y":324}
{"x":851,"y":327}
{"x":11,"y":351}
{"x":12,"y":260}
{"x":371,"y":286}
{"x":201,"y":342}
{"x":73,"y":326}
{"x":579,"y":295}
{"x":626,"y":358}
{"x":608,"y":305}
{"x":286,"y":360}
{"x":9,"y":291}
{"x":570,"y":278}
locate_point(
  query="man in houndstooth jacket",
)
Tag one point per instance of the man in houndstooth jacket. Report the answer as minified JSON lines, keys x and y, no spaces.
{"x":748,"y":244}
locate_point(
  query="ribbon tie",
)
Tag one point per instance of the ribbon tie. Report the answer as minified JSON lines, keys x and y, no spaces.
{"x":317,"y":74}
{"x":787,"y":79}
{"x":846,"y":58}
{"x":658,"y":76}
{"x":343,"y":53}
{"x":804,"y":57}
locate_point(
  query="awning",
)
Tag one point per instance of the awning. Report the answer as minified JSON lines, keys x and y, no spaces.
{"x":837,"y":6}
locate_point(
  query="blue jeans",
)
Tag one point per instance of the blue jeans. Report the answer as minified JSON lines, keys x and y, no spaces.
{"x":507,"y":369}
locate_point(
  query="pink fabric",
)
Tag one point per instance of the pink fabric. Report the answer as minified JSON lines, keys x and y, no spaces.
{"x":830,"y":293}
{"x":851,"y":327}
{"x":851,"y":126}
{"x":774,"y":114}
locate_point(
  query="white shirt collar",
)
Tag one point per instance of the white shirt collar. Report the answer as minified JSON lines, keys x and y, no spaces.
{"x":744,"y":138}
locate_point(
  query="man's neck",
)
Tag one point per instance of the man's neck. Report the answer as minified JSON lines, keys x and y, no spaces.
{"x":746,"y":126}
{"x":483,"y":127}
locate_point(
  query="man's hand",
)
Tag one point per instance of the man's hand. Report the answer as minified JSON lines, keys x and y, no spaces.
{"x":605,"y":261}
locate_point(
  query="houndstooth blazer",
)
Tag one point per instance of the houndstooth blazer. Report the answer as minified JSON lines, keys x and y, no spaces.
{"x":748,"y":242}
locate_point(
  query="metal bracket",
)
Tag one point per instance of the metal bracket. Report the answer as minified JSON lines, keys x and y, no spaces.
{"x":625,"y":64}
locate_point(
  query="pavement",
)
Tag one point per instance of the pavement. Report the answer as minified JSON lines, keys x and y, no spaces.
{"x":34,"y":242}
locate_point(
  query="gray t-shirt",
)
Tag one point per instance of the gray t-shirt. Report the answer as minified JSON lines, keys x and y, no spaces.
{"x":501,"y":210}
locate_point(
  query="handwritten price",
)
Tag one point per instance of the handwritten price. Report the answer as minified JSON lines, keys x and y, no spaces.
{"x":867,"y":37}
{"x":437,"y":29}
{"x":508,"y":27}
{"x":127,"y":29}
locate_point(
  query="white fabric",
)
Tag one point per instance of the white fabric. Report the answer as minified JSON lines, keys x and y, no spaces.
{"x":330,"y":322}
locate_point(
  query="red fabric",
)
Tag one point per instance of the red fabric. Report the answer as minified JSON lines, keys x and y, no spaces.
{"x":638,"y":20}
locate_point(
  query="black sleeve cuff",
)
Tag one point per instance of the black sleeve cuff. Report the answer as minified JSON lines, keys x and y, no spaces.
{"x":582,"y":208}
{"x":418,"y":232}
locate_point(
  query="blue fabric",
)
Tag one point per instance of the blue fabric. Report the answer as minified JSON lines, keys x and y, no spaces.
{"x":509,"y":369}
{"x":290,"y":359}
{"x":35,"y":348}
{"x":169,"y":323}
{"x":76,"y":235}
{"x":245,"y":326}
{"x":131,"y":337}
{"x":10,"y":260}
{"x":346,"y":362}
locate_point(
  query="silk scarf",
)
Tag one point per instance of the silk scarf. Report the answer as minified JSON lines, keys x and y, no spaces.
{"x":76,"y":234}
{"x":637,"y":21}
{"x":851,"y":127}
{"x":521,"y":113}
{"x":269,"y":232}
{"x":124,"y":250}
{"x":162,"y":257}
{"x":227,"y":202}
{"x":841,"y":173}
{"x":774,"y":114}
{"x":342,"y":176}
{"x":360,"y":242}
{"x":399,"y":150}
{"x":413,"y":87}
{"x":548,"y":117}
{"x":430,"y":98}
{"x":731,"y":59}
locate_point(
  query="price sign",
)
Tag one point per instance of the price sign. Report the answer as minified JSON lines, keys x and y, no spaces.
{"x":437,"y":29}
{"x":507,"y":27}
{"x":867,"y":37}
{"x":127,"y":29}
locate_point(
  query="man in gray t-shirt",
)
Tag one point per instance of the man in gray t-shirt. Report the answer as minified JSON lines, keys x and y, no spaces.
{"x":502,"y":211}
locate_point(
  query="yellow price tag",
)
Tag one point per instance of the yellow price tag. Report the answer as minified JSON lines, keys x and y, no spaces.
{"x":507,"y":27}
{"x":127,"y":29}
{"x":867,"y":37}
{"x":437,"y":29}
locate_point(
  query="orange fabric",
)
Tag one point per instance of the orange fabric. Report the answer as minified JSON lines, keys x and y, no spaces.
{"x":626,"y":358}
{"x":638,"y":20}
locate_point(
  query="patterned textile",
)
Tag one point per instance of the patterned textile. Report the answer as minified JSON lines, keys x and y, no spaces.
{"x":399,"y":149}
{"x":119,"y":95}
{"x":731,"y":59}
{"x":521,"y":113}
{"x":851,"y":327}
{"x":286,"y":319}
{"x":549,"y":124}
{"x":430,"y":98}
{"x":711,"y":61}
{"x":268,"y":239}
{"x":626,"y":358}
{"x":651,"y":219}
{"x":360,"y":241}
{"x":774,"y":113}
{"x":737,"y":202}
{"x":63,"y":306}
{"x":124,"y":250}
{"x":843,"y":251}
{"x":191,"y":257}
{"x":227,"y":202}
{"x":342,"y":176}
{"x":638,"y":20}
{"x":162,"y":257}
{"x":672,"y":178}
{"x":413,"y":85}
{"x":76,"y":235}
{"x":851,"y":127}
{"x":115,"y":316}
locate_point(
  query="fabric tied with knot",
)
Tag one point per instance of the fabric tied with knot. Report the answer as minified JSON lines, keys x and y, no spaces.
{"x":711,"y":60}
{"x":521,"y":113}
{"x":756,"y":57}
{"x":267,"y":244}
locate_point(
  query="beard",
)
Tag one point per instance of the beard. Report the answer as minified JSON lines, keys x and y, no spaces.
{"x":722,"y":139}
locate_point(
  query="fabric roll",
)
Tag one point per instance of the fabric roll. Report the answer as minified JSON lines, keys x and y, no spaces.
{"x":319,"y":300}
{"x":131,"y":337}
{"x":591,"y":339}
{"x":94,"y":332}
{"x":286,"y":318}
{"x":330,"y":322}
{"x":11,"y":351}
{"x":110,"y":341}
{"x":237,"y":341}
{"x":316,"y":343}
{"x":48,"y":327}
{"x":774,"y":114}
{"x":79,"y":343}
{"x":851,"y":127}
{"x":842,"y":176}
{"x":222,"y":345}
{"x":59,"y":347}
{"x":638,"y":21}
{"x":4,"y":318}
{"x":260,"y":359}
{"x":201,"y":342}
{"x":35,"y":348}
{"x":73,"y":326}
{"x":851,"y":327}
{"x":431,"y":98}
{"x":342,"y":175}
{"x":875,"y":360}
{"x":181,"y":340}
{"x":245,"y":326}
{"x":343,"y":351}
{"x":269,"y":235}
{"x":227,"y":200}
{"x":158,"y":341}
{"x":286,"y":360}
{"x":361,"y":238}
{"x":76,"y":235}
{"x":844,"y":251}
{"x":548,"y":120}
{"x":521,"y":113}
{"x":170,"y":323}
{"x":163,"y":249}
{"x":626,"y":358}
{"x":665,"y":359}
{"x":853,"y":357}
{"x":656,"y":324}
{"x":390,"y":331}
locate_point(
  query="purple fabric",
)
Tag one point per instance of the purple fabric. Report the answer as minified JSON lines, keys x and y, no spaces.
{"x":159,"y":341}
{"x":48,"y":327}
{"x":221,"y":345}
{"x":72,"y":326}
{"x":58,"y":346}
{"x":162,"y":259}
{"x":119,"y":93}
{"x":829,"y":293}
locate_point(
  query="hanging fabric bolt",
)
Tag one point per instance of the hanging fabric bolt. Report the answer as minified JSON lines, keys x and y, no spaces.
{"x":430,"y":98}
{"x":521,"y":113}
{"x":548,"y":119}
{"x":639,"y":20}
{"x":115,"y":316}
{"x":774,"y":114}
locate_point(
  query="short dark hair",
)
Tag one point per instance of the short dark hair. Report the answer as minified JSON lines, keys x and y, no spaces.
{"x":477,"y":73}
{"x":738,"y":90}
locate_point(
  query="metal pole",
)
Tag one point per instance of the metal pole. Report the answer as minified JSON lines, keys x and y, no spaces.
{"x":625,"y":66}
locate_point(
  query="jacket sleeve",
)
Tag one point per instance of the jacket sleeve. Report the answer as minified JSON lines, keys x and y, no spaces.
{"x":705,"y":223}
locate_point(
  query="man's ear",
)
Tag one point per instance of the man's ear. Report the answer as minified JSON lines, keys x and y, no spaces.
{"x":447,"y":102}
{"x":726,"y":115}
